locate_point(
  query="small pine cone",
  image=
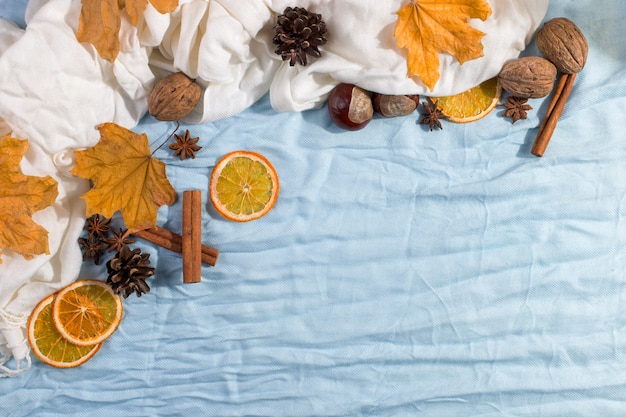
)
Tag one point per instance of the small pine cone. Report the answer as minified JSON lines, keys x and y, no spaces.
{"x":298,"y":33}
{"x":128,"y":272}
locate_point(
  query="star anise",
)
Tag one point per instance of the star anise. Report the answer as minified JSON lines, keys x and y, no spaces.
{"x":118,"y":240}
{"x":516,"y":108}
{"x":97,"y":226}
{"x":92,"y":247}
{"x":185,"y":146}
{"x":433,"y":116}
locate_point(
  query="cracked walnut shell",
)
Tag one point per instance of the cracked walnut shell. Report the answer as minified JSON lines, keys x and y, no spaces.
{"x":174,"y":97}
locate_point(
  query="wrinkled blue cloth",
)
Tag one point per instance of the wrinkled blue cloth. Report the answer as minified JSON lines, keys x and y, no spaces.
{"x":402,"y":272}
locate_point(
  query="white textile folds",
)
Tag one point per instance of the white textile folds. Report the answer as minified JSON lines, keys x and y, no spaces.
{"x":362,"y":50}
{"x":225,"y":45}
{"x":54,"y":91}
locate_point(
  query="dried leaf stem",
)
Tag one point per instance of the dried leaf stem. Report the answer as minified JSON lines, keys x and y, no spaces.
{"x":167,"y":139}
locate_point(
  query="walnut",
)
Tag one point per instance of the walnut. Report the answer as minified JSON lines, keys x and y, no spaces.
{"x":528,"y":77}
{"x":395,"y":105}
{"x":174,"y":97}
{"x":564,"y":44}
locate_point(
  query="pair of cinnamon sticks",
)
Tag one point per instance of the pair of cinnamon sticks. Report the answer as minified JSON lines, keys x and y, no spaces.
{"x":189,"y":243}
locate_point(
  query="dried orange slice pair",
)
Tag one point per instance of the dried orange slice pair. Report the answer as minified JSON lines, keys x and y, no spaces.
{"x":67,"y":328}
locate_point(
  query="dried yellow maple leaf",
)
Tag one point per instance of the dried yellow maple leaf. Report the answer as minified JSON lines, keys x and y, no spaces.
{"x":99,"y":24}
{"x":100,"y":21}
{"x":427,"y":28}
{"x":21,"y":196}
{"x":164,"y":6}
{"x":125,"y":177}
{"x":135,"y":8}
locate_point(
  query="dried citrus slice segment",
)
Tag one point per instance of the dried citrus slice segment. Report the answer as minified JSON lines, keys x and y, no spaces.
{"x":49,"y":345}
{"x":87,"y":312}
{"x":473,"y":104}
{"x":244,"y":186}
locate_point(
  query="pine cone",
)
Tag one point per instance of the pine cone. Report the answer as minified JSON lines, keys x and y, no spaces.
{"x":128,"y":272}
{"x":298,"y":33}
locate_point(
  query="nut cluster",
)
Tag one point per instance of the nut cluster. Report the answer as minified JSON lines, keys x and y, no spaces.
{"x":564,"y":48}
{"x":351,"y":107}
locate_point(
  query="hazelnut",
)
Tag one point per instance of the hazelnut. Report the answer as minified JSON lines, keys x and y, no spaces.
{"x":563,"y":44}
{"x":528,"y":77}
{"x":350,"y":107}
{"x":174,"y":97}
{"x":394,"y":105}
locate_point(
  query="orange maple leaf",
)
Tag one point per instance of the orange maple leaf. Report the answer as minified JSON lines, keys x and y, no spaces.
{"x":125,"y":177}
{"x":164,"y":6}
{"x":100,"y":21}
{"x":21,"y":196}
{"x":135,"y":8}
{"x":427,"y":28}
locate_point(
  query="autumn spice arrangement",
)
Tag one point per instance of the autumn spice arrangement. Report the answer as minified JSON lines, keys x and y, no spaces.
{"x":244,"y":185}
{"x":564,"y":48}
{"x":564,"y":44}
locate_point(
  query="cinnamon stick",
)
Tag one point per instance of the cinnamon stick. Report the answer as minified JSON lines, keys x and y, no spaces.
{"x":174,"y":242}
{"x":558,"y":90}
{"x":555,"y":109}
{"x":192,"y":228}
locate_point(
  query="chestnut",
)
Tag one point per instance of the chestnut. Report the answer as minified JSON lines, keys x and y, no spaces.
{"x":350,"y":107}
{"x":395,"y":105}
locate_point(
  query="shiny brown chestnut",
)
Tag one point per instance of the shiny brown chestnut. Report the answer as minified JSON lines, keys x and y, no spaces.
{"x":395,"y":105}
{"x":350,"y":107}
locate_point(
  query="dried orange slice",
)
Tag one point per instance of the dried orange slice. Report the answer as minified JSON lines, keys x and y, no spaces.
{"x":87,"y":312}
{"x":473,"y":104}
{"x":244,"y":186}
{"x":49,"y":345}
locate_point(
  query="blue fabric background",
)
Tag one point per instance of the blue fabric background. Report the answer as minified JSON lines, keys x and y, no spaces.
{"x":402,"y":272}
{"x":13,"y":10}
